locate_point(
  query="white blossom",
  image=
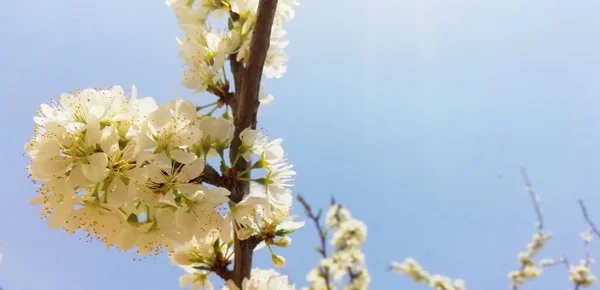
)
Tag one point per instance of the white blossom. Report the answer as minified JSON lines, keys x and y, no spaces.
{"x":412,"y":269}
{"x":352,"y":233}
{"x":263,"y":280}
{"x":337,"y":215}
{"x":171,"y":126}
{"x":195,"y":280}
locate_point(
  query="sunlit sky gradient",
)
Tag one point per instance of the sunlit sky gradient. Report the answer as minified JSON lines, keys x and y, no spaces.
{"x":415,"y":114}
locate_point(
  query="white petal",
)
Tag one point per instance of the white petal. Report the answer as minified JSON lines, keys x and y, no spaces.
{"x":118,"y":194}
{"x":162,"y":161}
{"x":168,"y":198}
{"x":96,"y":171}
{"x":183,"y":156}
{"x":188,"y":137}
{"x":98,"y":159}
{"x":38,"y":199}
{"x":76,"y":178}
{"x":109,"y":141}
{"x":192,"y":189}
{"x":155,"y":174}
{"x":192,"y":170}
{"x":93,"y":133}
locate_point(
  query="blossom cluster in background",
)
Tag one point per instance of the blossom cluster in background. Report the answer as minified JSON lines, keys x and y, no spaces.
{"x":346,"y":263}
{"x":412,"y":269}
{"x":580,"y":274}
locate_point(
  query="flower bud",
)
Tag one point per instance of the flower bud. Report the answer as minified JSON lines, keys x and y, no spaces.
{"x":283,"y":242}
{"x":278,"y":261}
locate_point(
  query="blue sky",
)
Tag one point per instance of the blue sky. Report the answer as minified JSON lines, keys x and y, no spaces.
{"x":415,"y":114}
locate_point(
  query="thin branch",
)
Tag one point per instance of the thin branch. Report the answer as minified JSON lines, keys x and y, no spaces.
{"x":534,"y":199}
{"x":352,"y":275}
{"x":322,"y":235}
{"x":587,"y":218}
{"x":317,"y":222}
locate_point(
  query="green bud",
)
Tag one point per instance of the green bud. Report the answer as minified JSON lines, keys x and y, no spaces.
{"x":104,"y":124}
{"x":278,"y":261}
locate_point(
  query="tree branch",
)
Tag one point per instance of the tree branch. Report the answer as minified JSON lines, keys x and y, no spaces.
{"x":225,"y":274}
{"x":534,"y":199}
{"x":322,"y":236}
{"x":259,"y":46}
{"x":245,"y":108}
{"x":210,"y":176}
{"x":237,"y":69}
{"x":587,"y":219}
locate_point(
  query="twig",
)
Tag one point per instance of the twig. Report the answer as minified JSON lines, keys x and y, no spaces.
{"x":587,"y":219}
{"x":534,"y":199}
{"x":322,"y":235}
{"x":317,"y":222}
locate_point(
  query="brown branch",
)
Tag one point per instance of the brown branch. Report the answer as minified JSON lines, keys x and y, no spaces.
{"x":534,"y":199}
{"x":237,"y":70}
{"x":245,"y":107}
{"x":259,"y":46}
{"x":322,"y":235}
{"x":210,"y":176}
{"x":225,"y":274}
{"x":220,"y":265}
{"x":587,"y":218}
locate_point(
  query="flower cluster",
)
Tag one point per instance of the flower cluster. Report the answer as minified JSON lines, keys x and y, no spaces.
{"x":130,"y":173}
{"x":412,"y":269}
{"x":205,"y":49}
{"x":579,"y":274}
{"x":347,"y":258}
{"x":199,"y":258}
{"x":528,"y":270}
{"x":263,"y":214}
